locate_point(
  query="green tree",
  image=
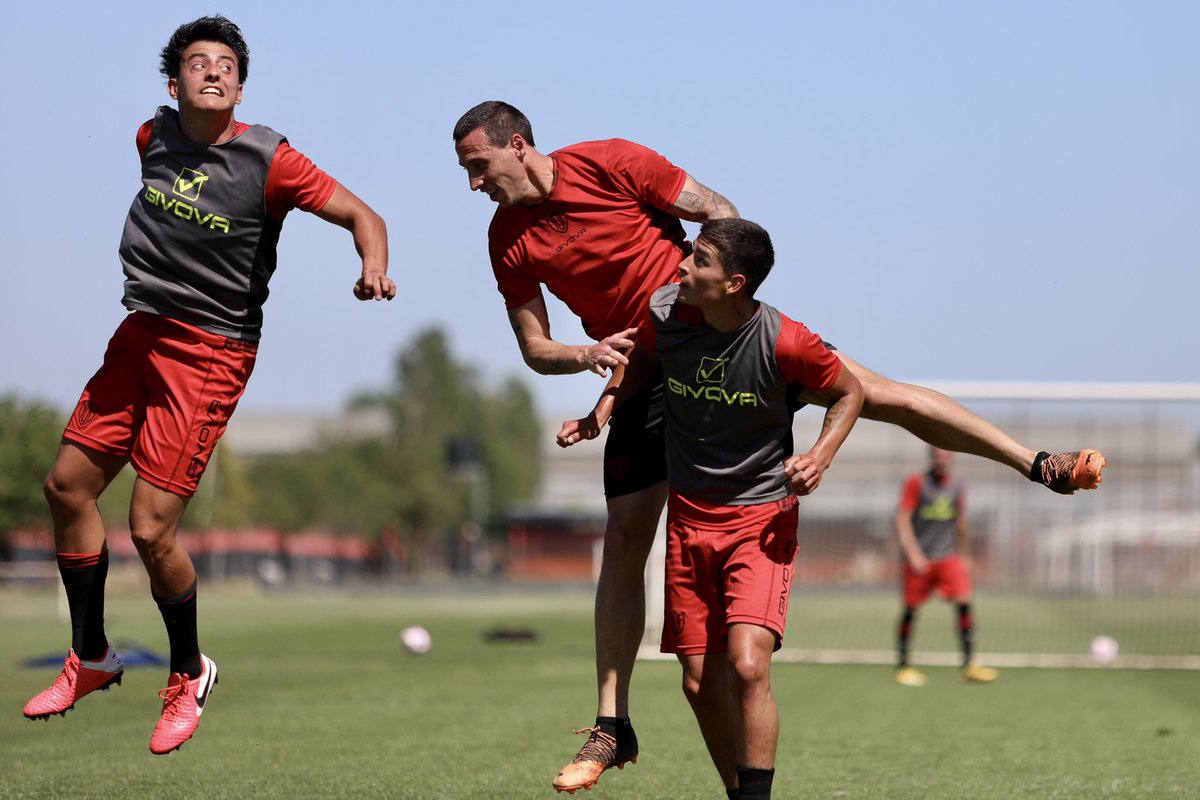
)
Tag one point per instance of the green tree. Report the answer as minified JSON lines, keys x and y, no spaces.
{"x":29,"y":436}
{"x":413,"y":477}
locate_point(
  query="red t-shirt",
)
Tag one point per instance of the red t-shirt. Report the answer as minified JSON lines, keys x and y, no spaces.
{"x":292,"y":182}
{"x":602,"y":241}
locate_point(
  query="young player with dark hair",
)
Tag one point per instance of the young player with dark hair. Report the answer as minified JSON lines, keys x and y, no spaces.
{"x":732,"y":367}
{"x":198,"y":250}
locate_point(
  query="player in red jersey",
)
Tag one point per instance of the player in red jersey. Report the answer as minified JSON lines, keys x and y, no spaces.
{"x":732,"y":366}
{"x":931,"y":524}
{"x":198,"y":250}
{"x":598,"y":224}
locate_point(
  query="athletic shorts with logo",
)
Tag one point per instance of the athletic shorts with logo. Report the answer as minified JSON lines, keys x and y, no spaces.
{"x":717,"y":577}
{"x":947,"y":576}
{"x":162,"y":398}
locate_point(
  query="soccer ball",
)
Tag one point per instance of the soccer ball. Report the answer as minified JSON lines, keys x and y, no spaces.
{"x":1103,"y":649}
{"x":416,"y":640}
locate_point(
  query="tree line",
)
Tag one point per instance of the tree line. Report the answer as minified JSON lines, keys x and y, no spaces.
{"x":454,"y":452}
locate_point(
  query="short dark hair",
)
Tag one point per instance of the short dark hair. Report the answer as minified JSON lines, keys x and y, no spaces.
{"x":742,"y":246}
{"x":498,"y":120}
{"x":205,"y":29}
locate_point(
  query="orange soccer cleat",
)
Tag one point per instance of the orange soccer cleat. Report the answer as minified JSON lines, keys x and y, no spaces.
{"x":1066,"y":472}
{"x":599,"y":753}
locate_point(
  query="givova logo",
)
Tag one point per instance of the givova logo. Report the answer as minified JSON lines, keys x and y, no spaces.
{"x":940,"y":510}
{"x":709,"y":377}
{"x":712,"y":370}
{"x":189,"y":183}
{"x":187,"y":186}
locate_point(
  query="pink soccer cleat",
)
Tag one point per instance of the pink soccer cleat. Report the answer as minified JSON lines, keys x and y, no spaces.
{"x":183,"y":703}
{"x":77,"y":680}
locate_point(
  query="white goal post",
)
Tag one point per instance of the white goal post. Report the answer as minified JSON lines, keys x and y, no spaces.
{"x":1051,"y":572}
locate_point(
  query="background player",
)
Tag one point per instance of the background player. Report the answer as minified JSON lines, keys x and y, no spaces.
{"x":931,"y":524}
{"x":197,"y":250}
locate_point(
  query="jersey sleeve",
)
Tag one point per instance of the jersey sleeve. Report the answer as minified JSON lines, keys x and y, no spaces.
{"x":516,"y":287}
{"x":803,"y":358}
{"x":143,"y":138}
{"x":910,"y":494}
{"x":296,"y":182}
{"x":644,"y":174}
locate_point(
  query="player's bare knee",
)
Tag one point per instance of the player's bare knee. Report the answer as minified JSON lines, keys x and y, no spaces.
{"x":152,"y":534}
{"x":751,"y":669}
{"x":148,"y":541}
{"x":64,"y":495}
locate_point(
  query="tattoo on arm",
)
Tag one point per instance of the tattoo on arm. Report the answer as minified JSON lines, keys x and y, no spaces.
{"x":561,"y":366}
{"x":705,"y":205}
{"x":833,"y":416}
{"x":552,"y":365}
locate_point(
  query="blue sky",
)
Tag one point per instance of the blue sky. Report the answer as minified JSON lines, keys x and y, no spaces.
{"x":956,"y":191}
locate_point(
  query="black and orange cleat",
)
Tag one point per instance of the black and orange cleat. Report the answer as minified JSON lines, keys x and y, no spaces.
{"x":600,"y":752}
{"x":1066,"y":472}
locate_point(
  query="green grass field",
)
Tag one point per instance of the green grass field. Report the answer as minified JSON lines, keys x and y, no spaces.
{"x":317,"y":700}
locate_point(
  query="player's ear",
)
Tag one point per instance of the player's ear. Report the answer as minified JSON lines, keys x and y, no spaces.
{"x":173,"y":88}
{"x":518,"y":144}
{"x":737,"y":282}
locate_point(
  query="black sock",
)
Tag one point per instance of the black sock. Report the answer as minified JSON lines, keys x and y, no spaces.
{"x":754,"y":784}
{"x":966,"y":631}
{"x":733,"y":794}
{"x":903,"y":635}
{"x":83,"y":577}
{"x":179,"y":615}
{"x":1035,"y":472}
{"x":617,"y":727}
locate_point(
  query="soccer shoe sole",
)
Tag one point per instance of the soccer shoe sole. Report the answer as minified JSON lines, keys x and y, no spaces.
{"x":590,"y":783}
{"x":981,"y":676}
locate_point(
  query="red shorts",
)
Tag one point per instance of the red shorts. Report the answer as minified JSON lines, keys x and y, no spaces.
{"x":162,"y":398}
{"x":947,"y":575}
{"x":718,"y":577}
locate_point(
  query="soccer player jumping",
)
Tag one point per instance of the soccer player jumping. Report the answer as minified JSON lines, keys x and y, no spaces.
{"x":598,"y":224}
{"x":198,"y":250}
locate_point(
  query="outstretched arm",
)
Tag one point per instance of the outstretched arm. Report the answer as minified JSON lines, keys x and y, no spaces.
{"x":697,"y":203}
{"x":531,"y":324}
{"x":621,"y":386}
{"x":370,"y":240}
{"x":845,"y":400}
